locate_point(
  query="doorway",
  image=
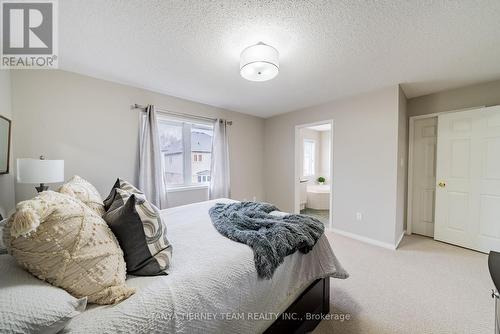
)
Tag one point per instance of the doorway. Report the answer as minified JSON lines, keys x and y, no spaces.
{"x":454,"y":178}
{"x":313,"y":180}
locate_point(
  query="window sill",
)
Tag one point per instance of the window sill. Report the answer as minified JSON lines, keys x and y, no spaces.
{"x":187,"y":188}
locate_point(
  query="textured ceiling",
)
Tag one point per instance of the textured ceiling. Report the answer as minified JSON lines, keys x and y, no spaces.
{"x":329,"y":49}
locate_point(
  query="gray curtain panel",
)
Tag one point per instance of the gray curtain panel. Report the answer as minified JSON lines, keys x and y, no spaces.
{"x":220,"y":177}
{"x":151,"y":177}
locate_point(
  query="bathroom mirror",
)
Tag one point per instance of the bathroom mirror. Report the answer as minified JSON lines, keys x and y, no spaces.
{"x":4,"y":145}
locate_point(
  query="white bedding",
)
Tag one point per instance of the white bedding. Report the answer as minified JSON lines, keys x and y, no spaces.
{"x":212,"y":286}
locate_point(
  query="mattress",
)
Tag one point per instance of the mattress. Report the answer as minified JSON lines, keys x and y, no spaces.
{"x":212,"y":286}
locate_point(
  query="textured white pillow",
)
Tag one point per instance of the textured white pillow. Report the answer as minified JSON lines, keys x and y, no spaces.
{"x":29,"y":305}
{"x":62,"y":241}
{"x":83,"y":190}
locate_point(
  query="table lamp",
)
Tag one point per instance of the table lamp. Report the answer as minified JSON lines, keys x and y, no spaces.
{"x":40,"y":171}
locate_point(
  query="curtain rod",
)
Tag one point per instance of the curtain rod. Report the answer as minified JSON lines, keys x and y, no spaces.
{"x":175,"y":113}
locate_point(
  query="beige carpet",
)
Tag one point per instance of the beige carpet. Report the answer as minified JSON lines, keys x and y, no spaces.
{"x":424,"y":287}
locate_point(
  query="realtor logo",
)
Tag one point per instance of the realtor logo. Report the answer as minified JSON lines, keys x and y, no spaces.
{"x":29,"y":34}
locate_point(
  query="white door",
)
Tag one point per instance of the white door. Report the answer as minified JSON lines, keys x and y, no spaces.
{"x":468,"y":179}
{"x":424,"y":176}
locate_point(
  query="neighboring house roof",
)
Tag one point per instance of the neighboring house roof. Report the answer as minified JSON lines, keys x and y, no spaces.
{"x":171,"y":147}
{"x":200,"y":142}
{"x":203,"y":172}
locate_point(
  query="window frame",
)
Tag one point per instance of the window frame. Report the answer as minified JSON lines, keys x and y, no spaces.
{"x":187,"y":125}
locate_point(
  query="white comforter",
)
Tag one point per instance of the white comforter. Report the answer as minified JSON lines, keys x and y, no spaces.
{"x":212,"y":286}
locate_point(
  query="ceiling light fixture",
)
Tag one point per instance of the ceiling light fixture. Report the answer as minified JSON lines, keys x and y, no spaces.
{"x":259,"y":62}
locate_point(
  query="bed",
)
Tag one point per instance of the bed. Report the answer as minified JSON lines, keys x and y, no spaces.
{"x":213,"y":286}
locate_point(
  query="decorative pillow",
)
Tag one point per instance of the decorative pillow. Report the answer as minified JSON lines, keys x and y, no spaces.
{"x":62,"y":241}
{"x":83,"y":190}
{"x":120,"y":184}
{"x":28,"y":305}
{"x":141,"y":232}
{"x":3,"y":248}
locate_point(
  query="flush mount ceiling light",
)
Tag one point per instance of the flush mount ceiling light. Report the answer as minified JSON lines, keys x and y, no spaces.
{"x":259,"y":62}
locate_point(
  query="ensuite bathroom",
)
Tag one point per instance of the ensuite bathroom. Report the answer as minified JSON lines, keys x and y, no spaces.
{"x":315,"y":181}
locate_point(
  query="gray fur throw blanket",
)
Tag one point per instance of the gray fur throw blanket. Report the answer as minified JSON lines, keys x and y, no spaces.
{"x":271,"y":237}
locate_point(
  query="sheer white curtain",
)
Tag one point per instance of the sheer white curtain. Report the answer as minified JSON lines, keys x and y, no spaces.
{"x":220,"y":176}
{"x":151,"y":177}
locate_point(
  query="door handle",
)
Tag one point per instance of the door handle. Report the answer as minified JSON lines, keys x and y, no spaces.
{"x":442,"y":184}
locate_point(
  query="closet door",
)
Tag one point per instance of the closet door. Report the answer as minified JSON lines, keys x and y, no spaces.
{"x":467,"y":209}
{"x":424,"y":176}
{"x":487,"y":231}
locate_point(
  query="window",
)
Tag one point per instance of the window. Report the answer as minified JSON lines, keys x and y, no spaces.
{"x":309,"y":148}
{"x":172,"y":149}
{"x":203,"y":178}
{"x":187,"y":151}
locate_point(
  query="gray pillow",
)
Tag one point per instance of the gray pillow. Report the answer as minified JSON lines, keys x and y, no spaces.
{"x":141,"y":233}
{"x":29,"y":305}
{"x":3,"y":248}
{"x":120,"y":184}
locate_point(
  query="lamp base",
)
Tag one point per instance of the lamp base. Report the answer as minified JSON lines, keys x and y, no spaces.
{"x":41,"y":188}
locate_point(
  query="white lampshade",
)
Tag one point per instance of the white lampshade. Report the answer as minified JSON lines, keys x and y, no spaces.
{"x":259,"y":62}
{"x":40,"y":171}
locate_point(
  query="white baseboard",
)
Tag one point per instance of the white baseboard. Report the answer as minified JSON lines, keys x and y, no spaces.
{"x":366,"y":239}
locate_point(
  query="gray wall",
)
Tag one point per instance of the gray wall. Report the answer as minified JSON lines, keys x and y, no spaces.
{"x":365,"y":137}
{"x":485,"y":94}
{"x":6,"y":180}
{"x":88,"y":123}
{"x":324,"y":168}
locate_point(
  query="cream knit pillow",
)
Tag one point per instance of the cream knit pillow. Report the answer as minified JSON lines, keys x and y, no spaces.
{"x":82,"y":189}
{"x":60,"y":240}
